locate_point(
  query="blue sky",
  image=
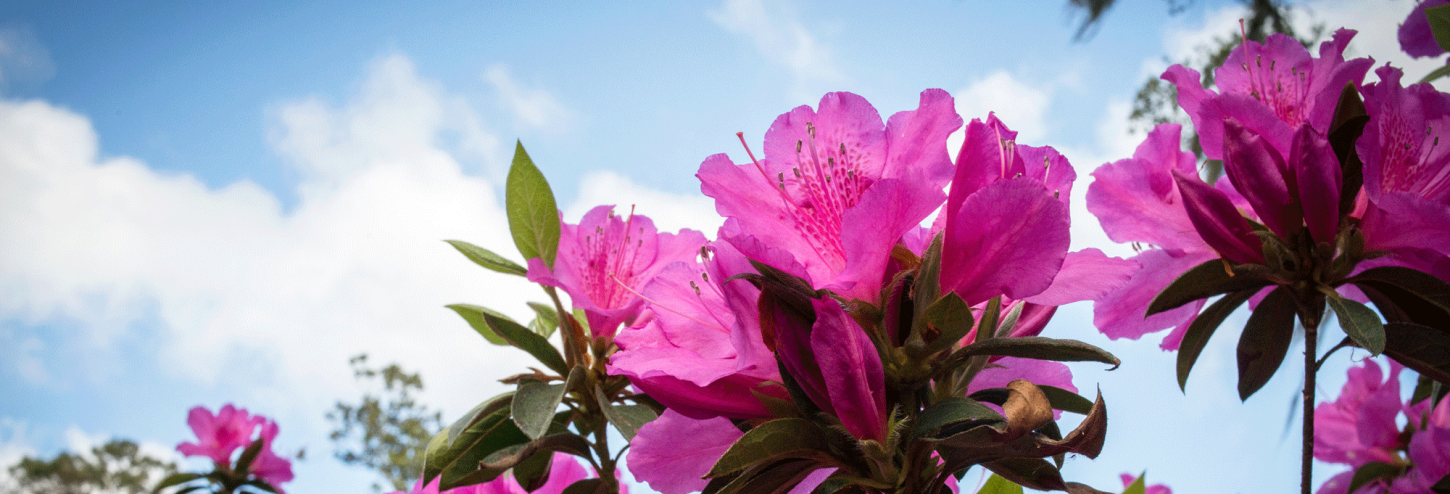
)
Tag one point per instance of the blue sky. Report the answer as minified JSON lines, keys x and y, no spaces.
{"x":208,"y":202}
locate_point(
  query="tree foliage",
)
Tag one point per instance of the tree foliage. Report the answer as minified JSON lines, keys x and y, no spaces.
{"x":387,"y":433}
{"x":118,"y":466}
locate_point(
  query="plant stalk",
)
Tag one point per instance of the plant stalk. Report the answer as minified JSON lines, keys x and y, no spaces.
{"x":1311,"y":338}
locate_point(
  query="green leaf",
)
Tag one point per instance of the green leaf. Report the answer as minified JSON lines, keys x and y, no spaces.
{"x":1359,"y":322}
{"x":956,"y":414}
{"x":486,"y":258}
{"x":1067,"y":401}
{"x":534,"y":405}
{"x":1036,"y":347}
{"x":774,"y":440}
{"x":1369,"y":472}
{"x":1426,"y":350}
{"x":949,"y":319}
{"x":1265,"y":341}
{"x":528,"y":341}
{"x":1437,"y":73}
{"x":1009,"y":321}
{"x":1139,"y":485}
{"x":486,"y":428}
{"x":1423,"y":286}
{"x":533,"y":472}
{"x":260,"y":484}
{"x":627,"y":418}
{"x":927,"y":287}
{"x":998,"y":485}
{"x":1205,"y":280}
{"x":533,"y":214}
{"x":175,"y":480}
{"x":546,"y":320}
{"x":1202,"y":328}
{"x":1032,"y":473}
{"x":586,"y":486}
{"x":474,"y":315}
{"x":1440,"y":25}
{"x":244,"y":462}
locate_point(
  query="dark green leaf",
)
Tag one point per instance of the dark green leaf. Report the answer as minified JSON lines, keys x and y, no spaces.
{"x":244,"y":462}
{"x":774,"y":440}
{"x":546,"y":320}
{"x":1205,"y":280}
{"x":1442,"y":486}
{"x":927,"y":287}
{"x":948,"y":319}
{"x":488,"y":259}
{"x":955,"y":413}
{"x":261,"y":484}
{"x":1065,"y":400}
{"x":776,"y":477}
{"x":1423,"y":349}
{"x":1440,"y":25}
{"x":175,"y":480}
{"x":474,"y":315}
{"x":998,"y":485}
{"x":1360,"y":323}
{"x":1202,"y":328}
{"x":1036,"y":347}
{"x":627,"y":418}
{"x":533,"y":472}
{"x":1369,"y":472}
{"x":1032,"y":473}
{"x":1422,"y":285}
{"x":1265,"y":341}
{"x":1344,"y":130}
{"x":533,"y":214}
{"x":528,"y":341}
{"x":534,"y":404}
{"x":586,"y":486}
{"x":486,"y":430}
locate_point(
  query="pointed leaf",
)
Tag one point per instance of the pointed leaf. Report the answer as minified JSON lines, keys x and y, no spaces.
{"x":1032,"y":473}
{"x":1361,"y":323}
{"x":774,"y":440}
{"x":1065,"y":400}
{"x":1345,"y":128}
{"x":1440,"y":25}
{"x":1202,"y":328}
{"x":534,"y":405}
{"x":1370,"y":472}
{"x":1422,"y":285}
{"x":927,"y":287}
{"x":176,"y":479}
{"x":534,"y":472}
{"x":627,"y":418}
{"x":456,"y":456}
{"x":528,"y":341}
{"x":998,"y":485}
{"x":533,"y":214}
{"x":546,"y":320}
{"x":948,"y":319}
{"x":474,"y":315}
{"x":586,"y":486}
{"x":1205,"y":280}
{"x":1265,"y":341}
{"x":1035,"y":347}
{"x":1139,"y":485}
{"x":488,"y":259}
{"x":955,"y":415}
{"x":244,"y":462}
{"x":1426,"y":350}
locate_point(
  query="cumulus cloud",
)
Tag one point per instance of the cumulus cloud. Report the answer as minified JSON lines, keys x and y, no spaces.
{"x":1021,"y":105}
{"x":782,"y":40}
{"x":531,"y":108}
{"x":14,"y":445}
{"x":99,"y":247}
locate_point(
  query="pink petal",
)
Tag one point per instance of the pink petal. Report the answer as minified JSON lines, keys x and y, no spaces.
{"x":809,"y":484}
{"x":1402,"y":220}
{"x":1319,"y":176}
{"x":1086,"y":275}
{"x":1218,"y":221}
{"x":916,"y":140}
{"x":1416,"y":38}
{"x":852,"y":370}
{"x":1009,"y":238}
{"x":1259,"y":172}
{"x":888,"y":210}
{"x":1136,"y":199}
{"x":1121,"y":313}
{"x":673,"y":452}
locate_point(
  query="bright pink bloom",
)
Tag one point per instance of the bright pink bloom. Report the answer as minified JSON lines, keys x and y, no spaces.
{"x":1270,"y":89}
{"x":605,"y":258}
{"x":674,"y":452}
{"x":836,"y":189}
{"x":1429,"y":450}
{"x":1359,"y":427}
{"x":1006,"y":223}
{"x":1128,"y":480}
{"x":564,"y":470}
{"x":698,"y":348}
{"x":221,"y":434}
{"x":1416,"y":38}
{"x":268,"y":466}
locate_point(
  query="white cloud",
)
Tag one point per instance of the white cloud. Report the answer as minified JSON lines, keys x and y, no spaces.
{"x":1021,"y":105}
{"x":783,"y":41}
{"x":14,"y":445}
{"x":23,"y":60}
{"x":669,"y":212}
{"x":532,"y":108}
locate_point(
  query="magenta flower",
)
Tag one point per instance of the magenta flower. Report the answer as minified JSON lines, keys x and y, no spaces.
{"x":221,"y":434}
{"x":836,"y":189}
{"x":697,"y":347}
{"x":1128,"y":480}
{"x":1416,"y":39}
{"x":1271,"y":89}
{"x":674,"y":452}
{"x":268,"y":466}
{"x":1006,"y":225}
{"x":605,"y":258}
{"x":1429,"y":451}
{"x":1359,"y":427}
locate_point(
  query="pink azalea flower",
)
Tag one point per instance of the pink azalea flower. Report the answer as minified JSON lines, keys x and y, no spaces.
{"x":1429,"y":451}
{"x":1006,"y":224}
{"x":674,"y":452}
{"x":836,"y":189}
{"x":1416,"y":39}
{"x":219,"y":435}
{"x":1359,"y":427}
{"x":605,"y":258}
{"x":690,"y":351}
{"x":1271,"y":89}
{"x":1128,"y":480}
{"x":268,"y":466}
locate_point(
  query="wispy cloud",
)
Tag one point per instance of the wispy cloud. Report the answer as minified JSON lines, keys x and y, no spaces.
{"x":23,"y":59}
{"x":783,"y":41}
{"x":531,"y":107}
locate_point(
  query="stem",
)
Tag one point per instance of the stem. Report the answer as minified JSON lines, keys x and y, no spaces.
{"x":1311,"y":338}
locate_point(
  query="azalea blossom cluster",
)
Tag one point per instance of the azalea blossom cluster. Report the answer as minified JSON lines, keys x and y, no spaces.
{"x":1361,"y":429}
{"x":219,"y":437}
{"x":564,"y":471}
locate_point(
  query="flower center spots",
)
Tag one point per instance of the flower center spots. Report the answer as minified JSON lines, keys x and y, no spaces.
{"x":1407,"y":152}
{"x":1283,"y":91}
{"x":610,"y":254}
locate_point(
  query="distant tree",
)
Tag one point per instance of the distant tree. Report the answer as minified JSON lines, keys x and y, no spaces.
{"x":388,"y":433}
{"x":118,"y":466}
